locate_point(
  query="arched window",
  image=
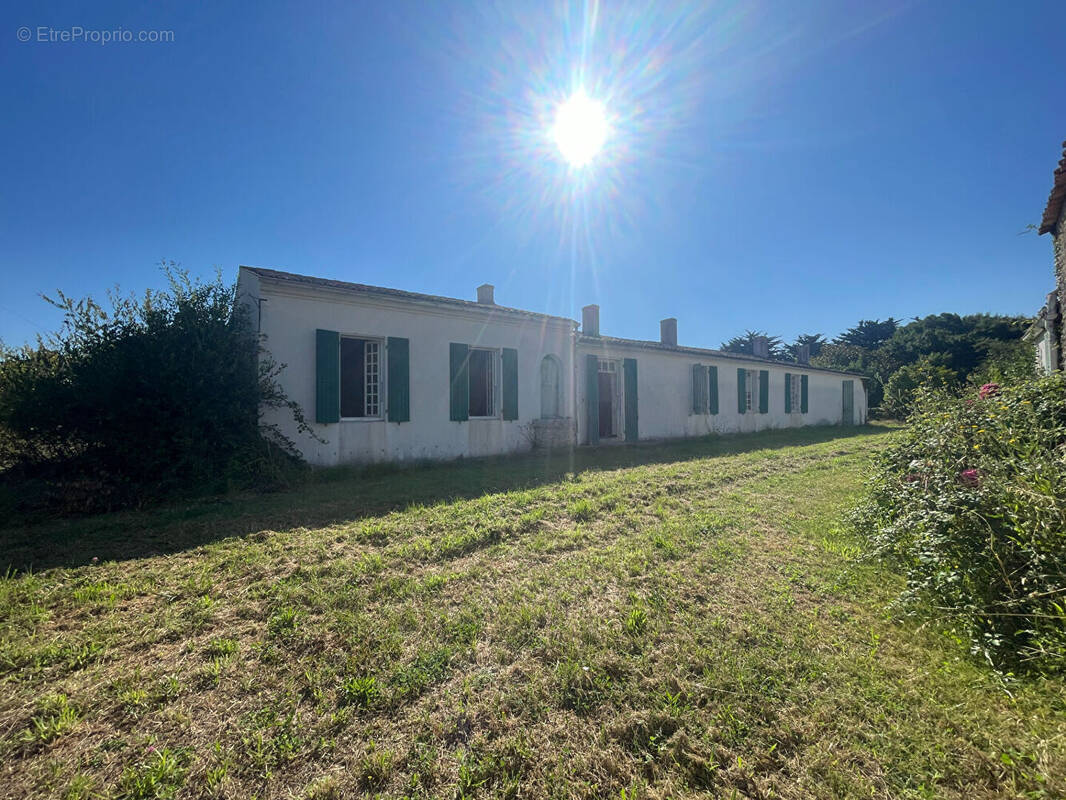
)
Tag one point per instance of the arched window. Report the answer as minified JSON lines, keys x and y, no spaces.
{"x":549,"y":387}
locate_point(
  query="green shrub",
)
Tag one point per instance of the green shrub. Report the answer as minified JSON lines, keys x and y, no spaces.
{"x":902,"y":388}
{"x":150,"y":398}
{"x":971,"y":502}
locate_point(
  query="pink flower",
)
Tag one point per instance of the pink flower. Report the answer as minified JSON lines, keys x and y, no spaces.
{"x":988,"y":390}
{"x":970,"y":477}
{"x":95,"y":559}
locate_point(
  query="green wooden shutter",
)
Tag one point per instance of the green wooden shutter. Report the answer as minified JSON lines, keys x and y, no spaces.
{"x":629,"y":367}
{"x":592,"y":397}
{"x":788,"y":392}
{"x":510,"y":383}
{"x":398,"y":351}
{"x":459,"y":371}
{"x":327,"y":376}
{"x":696,"y":376}
{"x":712,"y":397}
{"x":742,"y":392}
{"x":803,"y":394}
{"x":764,"y":391}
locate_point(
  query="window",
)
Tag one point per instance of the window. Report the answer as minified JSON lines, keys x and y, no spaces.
{"x":795,"y":391}
{"x":699,"y":389}
{"x":549,"y":387}
{"x":751,"y":388}
{"x":360,"y":377}
{"x":482,"y":383}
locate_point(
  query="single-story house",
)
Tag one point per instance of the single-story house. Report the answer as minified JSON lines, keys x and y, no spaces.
{"x":389,"y":375}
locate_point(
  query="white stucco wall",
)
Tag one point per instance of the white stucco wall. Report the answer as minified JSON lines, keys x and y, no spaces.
{"x":287,"y":316}
{"x":664,"y":394}
{"x":290,"y":315}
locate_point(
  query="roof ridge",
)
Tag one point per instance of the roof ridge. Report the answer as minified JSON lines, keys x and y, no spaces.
{"x":332,"y":283}
{"x":651,"y":344}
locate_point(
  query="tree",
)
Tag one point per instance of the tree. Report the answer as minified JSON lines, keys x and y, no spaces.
{"x":815,"y":341}
{"x":746,"y":344}
{"x":902,"y":387}
{"x":869,"y":333}
{"x":963,"y":345}
{"x":152,"y":397}
{"x":964,"y":342}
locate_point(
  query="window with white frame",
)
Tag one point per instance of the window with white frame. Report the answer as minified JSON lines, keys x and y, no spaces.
{"x":482,"y":383}
{"x":360,"y":377}
{"x":795,"y":392}
{"x":751,"y":388}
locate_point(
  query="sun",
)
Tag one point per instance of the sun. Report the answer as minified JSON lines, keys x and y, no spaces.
{"x":580,"y":128}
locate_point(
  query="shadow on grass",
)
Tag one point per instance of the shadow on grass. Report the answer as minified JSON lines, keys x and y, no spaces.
{"x":345,"y":494}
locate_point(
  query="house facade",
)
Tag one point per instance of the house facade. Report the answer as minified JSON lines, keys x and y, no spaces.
{"x":388,"y":375}
{"x":1048,"y":333}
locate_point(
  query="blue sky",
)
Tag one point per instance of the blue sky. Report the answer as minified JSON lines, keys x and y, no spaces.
{"x":786,"y":166}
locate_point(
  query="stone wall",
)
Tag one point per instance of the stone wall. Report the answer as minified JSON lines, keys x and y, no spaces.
{"x":1059,"y":244}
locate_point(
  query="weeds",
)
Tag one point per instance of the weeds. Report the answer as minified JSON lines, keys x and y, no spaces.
{"x":642,"y":622}
{"x":361,"y":691}
{"x":160,"y":775}
{"x":55,"y":716}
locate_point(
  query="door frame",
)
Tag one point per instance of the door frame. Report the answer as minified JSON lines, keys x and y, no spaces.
{"x":847,"y":402}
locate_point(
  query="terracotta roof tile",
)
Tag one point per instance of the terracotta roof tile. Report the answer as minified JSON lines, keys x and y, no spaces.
{"x":1058,"y":195}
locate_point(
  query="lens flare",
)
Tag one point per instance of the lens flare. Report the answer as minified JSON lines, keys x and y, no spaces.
{"x":580,"y":128}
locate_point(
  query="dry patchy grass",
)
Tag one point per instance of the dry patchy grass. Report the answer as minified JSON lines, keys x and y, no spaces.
{"x":678,"y":620}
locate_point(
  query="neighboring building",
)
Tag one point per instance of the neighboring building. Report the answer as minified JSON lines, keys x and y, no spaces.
{"x":389,"y":375}
{"x":1045,"y":334}
{"x":1048,"y":333}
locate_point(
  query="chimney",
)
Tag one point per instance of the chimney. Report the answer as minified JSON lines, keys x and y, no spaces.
{"x":484,"y":294}
{"x":760,"y":347}
{"x":803,"y":354}
{"x":668,"y":331}
{"x":590,"y":320}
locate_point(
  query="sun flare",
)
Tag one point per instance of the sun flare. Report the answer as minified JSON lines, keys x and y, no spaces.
{"x":580,"y":128}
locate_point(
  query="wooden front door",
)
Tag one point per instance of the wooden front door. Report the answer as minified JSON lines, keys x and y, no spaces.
{"x":848,"y":417}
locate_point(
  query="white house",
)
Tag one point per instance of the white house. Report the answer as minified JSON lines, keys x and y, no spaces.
{"x":389,"y":375}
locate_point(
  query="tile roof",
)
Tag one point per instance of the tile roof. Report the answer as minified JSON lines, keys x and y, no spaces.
{"x":704,"y":351}
{"x":362,"y":288}
{"x":1058,"y":195}
{"x":326,"y":283}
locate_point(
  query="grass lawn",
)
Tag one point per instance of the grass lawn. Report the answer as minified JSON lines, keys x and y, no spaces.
{"x":672,"y":620}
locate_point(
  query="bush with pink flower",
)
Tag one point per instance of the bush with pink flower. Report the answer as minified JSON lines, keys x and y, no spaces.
{"x":988,"y":390}
{"x":970,"y":502}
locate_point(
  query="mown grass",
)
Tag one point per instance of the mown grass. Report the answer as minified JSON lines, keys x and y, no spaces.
{"x":658,"y":621}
